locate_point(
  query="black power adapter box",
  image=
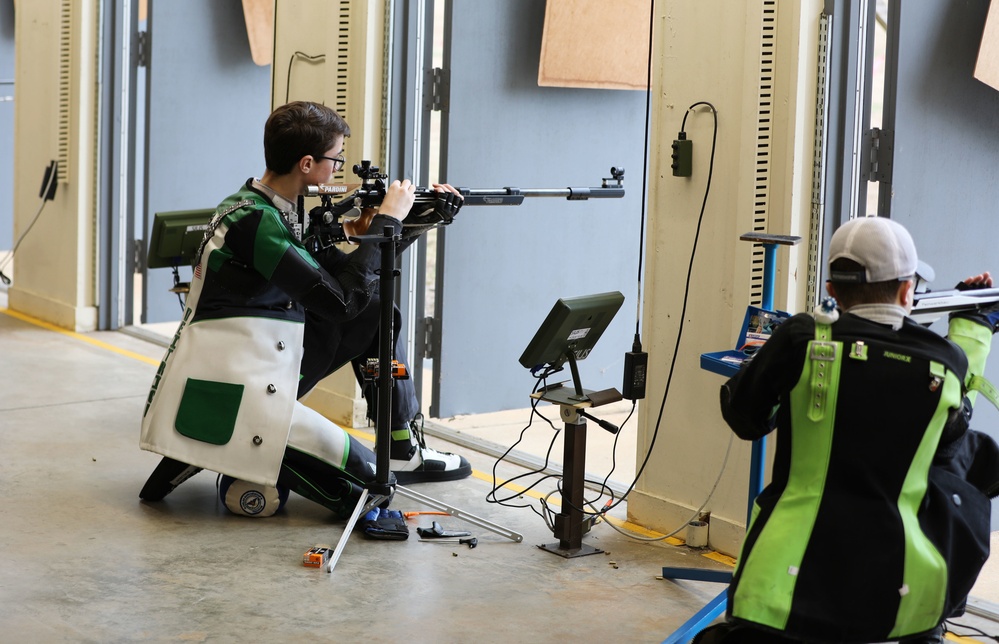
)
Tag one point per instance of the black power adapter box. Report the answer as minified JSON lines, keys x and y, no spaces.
{"x":636,"y":364}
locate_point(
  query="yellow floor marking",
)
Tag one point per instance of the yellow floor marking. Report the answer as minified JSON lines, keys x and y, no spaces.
{"x":79,"y":336}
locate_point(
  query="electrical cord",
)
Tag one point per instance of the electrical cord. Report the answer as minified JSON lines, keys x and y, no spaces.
{"x":949,"y":625}
{"x":603,"y":489}
{"x":617,"y":436}
{"x":3,"y":277}
{"x":613,"y":503}
{"x":686,"y":297}
{"x":637,"y":345}
{"x":546,"y":513}
{"x":47,"y":194}
{"x":696,"y":512}
{"x":491,"y":496}
{"x":645,"y":176}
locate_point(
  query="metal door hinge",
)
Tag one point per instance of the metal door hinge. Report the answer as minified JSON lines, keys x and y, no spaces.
{"x":438,"y":90}
{"x":142,"y":49}
{"x":139,"y":255}
{"x":878,"y":149}
{"x":429,"y":345}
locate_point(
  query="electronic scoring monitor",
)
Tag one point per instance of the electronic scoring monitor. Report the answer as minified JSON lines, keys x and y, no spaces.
{"x":176,"y":237}
{"x":573,"y":326}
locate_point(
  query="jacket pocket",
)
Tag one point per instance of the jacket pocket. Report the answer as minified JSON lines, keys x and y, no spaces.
{"x":208,"y":410}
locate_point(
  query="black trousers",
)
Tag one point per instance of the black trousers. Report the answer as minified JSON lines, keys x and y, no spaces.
{"x":328,"y":346}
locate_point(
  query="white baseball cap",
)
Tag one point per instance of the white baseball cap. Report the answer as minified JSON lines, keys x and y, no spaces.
{"x":883,"y":247}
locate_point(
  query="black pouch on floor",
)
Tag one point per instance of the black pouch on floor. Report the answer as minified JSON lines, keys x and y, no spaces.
{"x":384,"y":524}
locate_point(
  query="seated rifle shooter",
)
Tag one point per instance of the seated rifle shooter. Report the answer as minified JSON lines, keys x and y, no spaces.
{"x":323,"y":225}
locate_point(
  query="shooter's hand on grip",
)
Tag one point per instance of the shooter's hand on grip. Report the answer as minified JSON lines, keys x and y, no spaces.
{"x":399,"y":196}
{"x":986,"y":315}
{"x":359,"y":225}
{"x":982,"y":280}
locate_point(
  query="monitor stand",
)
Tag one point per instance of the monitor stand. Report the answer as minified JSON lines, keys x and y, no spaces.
{"x":570,"y":523}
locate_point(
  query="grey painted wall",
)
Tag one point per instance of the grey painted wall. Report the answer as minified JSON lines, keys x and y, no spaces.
{"x":504,"y":267}
{"x":946,"y":160}
{"x":207,"y":104}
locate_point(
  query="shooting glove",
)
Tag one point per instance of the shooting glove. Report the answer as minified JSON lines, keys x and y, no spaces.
{"x":426,"y":215}
{"x":985,"y":315}
{"x":385,"y":524}
{"x":446,"y":206}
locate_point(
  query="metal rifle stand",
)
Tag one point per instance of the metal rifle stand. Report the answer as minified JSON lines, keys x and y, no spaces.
{"x":381,"y":490}
{"x":569,"y":522}
{"x":717,"y":606}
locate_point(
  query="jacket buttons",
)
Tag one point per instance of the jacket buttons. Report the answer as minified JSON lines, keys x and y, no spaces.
{"x":271,"y":389}
{"x":957,"y":500}
{"x":257,"y":440}
{"x":289,"y":304}
{"x":280,"y":345}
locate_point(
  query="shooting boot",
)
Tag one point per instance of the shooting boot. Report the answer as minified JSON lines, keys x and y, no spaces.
{"x":414,"y":462}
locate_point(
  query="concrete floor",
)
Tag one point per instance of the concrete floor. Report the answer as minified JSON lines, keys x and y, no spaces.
{"x":84,"y":560}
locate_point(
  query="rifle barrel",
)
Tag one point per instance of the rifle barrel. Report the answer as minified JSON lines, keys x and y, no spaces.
{"x":548,"y":192}
{"x":515,"y":196}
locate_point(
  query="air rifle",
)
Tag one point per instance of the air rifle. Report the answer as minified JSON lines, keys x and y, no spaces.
{"x":323,"y":225}
{"x":930,"y":306}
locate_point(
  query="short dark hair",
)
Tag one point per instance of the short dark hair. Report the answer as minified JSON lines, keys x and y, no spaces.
{"x":853,"y":293}
{"x":297,"y":129}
